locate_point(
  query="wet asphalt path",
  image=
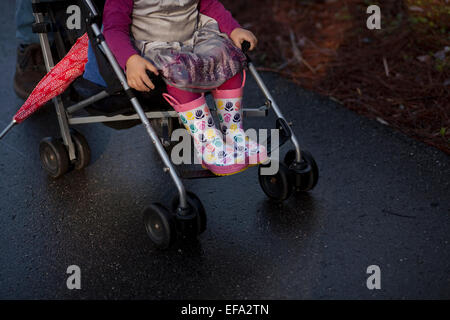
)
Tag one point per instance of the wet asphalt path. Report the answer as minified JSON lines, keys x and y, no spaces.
{"x":383,"y":199}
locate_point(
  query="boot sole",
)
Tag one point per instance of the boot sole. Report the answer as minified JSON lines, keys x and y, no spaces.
{"x":225,"y":174}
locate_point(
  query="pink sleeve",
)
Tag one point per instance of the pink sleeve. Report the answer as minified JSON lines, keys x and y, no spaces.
{"x":116,"y":29}
{"x":215,"y":10}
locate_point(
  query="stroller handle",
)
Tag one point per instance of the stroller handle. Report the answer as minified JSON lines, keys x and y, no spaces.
{"x":153,"y":77}
{"x":245,"y":46}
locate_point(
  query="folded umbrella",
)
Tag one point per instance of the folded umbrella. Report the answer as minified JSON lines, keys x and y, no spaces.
{"x":55,"y":82}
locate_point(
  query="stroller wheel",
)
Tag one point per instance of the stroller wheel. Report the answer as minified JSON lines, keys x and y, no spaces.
{"x":82,"y":150}
{"x":54,"y":157}
{"x":197,"y":212}
{"x":160,"y":225}
{"x":278,"y":186}
{"x":306,"y":177}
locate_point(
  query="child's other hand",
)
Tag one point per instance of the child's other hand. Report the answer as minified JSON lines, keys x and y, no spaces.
{"x":136,"y":73}
{"x":240,"y":35}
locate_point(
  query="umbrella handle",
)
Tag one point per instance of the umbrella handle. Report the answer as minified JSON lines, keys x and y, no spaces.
{"x":9,"y":127}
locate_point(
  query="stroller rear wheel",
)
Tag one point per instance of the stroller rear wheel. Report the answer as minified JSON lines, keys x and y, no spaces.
{"x":278,"y":186}
{"x":160,"y":225}
{"x":82,"y":150}
{"x":54,"y":157}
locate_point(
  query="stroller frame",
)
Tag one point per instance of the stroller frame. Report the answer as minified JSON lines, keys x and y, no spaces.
{"x":66,"y":118}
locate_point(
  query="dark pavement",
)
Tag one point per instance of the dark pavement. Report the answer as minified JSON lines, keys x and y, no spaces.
{"x":382,"y":199}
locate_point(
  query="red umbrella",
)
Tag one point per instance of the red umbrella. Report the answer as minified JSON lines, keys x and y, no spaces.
{"x":55,"y":82}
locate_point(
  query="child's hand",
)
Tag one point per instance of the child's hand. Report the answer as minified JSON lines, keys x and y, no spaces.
{"x":240,"y":35}
{"x":136,"y":73}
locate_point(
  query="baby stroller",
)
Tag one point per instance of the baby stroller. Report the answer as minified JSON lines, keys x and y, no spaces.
{"x":118,"y":106}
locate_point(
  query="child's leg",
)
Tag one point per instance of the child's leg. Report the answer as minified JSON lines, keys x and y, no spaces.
{"x":208,"y":141}
{"x":182,"y":96}
{"x":228,"y":98}
{"x":233,"y":83}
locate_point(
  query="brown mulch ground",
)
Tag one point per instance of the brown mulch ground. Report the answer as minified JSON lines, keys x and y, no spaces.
{"x":398,"y":75}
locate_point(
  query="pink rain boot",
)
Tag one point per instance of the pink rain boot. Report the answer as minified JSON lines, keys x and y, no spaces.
{"x":218,"y":157}
{"x":230,"y":113}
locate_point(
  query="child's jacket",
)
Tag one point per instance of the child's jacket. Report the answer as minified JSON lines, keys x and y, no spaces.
{"x":184,"y":43}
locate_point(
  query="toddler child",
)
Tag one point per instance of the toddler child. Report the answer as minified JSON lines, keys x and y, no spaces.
{"x":196,"y":46}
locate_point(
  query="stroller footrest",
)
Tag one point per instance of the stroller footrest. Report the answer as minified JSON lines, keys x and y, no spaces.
{"x":256,"y":112}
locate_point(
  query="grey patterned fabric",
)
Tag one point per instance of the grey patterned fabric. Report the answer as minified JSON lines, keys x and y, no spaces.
{"x":186,"y":46}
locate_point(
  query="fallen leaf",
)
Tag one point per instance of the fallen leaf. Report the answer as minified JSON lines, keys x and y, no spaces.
{"x":424,"y":58}
{"x":382,"y":121}
{"x":415,"y":9}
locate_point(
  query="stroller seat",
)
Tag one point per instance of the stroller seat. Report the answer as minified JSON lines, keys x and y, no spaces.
{"x":92,"y":83}
{"x":119,"y":103}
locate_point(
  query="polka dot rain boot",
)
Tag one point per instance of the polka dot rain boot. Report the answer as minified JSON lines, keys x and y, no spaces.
{"x":230,"y":113}
{"x":216,"y":156}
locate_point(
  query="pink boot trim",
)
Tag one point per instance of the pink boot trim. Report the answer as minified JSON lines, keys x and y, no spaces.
{"x":178,"y":107}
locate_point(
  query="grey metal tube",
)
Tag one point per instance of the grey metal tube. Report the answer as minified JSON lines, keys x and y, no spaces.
{"x":260,"y":112}
{"x":91,"y":7}
{"x":57,"y":101}
{"x":159,"y":147}
{"x":275,"y":107}
{"x":9,"y":127}
{"x":97,"y":119}
{"x":162,"y":152}
{"x":83,"y":104}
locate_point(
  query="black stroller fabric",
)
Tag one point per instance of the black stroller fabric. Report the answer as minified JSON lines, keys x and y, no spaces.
{"x":117,"y":103}
{"x":106,"y":70}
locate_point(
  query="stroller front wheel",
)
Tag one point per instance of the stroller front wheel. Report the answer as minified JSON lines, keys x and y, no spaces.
{"x":160,"y":225}
{"x":277,"y":186}
{"x":306,"y":173}
{"x":54,"y":157}
{"x":195,"y":223}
